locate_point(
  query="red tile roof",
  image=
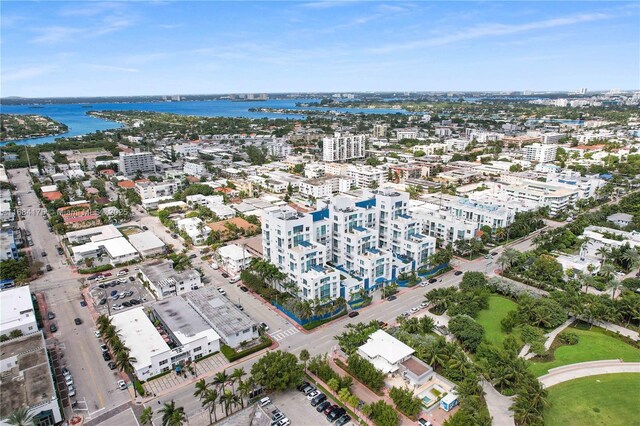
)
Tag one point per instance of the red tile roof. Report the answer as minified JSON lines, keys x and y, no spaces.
{"x":52,"y":196}
{"x":126,"y":184}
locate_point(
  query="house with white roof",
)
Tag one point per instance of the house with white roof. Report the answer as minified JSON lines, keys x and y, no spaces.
{"x":234,"y":258}
{"x":195,"y":228}
{"x":16,"y":311}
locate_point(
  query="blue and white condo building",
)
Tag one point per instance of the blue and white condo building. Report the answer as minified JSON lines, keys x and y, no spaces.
{"x":347,"y":244}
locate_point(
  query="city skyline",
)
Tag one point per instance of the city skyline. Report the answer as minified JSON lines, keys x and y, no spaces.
{"x":149,"y":48}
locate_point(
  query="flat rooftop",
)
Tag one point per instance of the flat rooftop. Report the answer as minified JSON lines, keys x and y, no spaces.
{"x":13,"y":303}
{"x":140,"y":335}
{"x":161,"y":271}
{"x":25,"y":377}
{"x":219,"y":312}
{"x":183,"y":321}
{"x":146,"y":240}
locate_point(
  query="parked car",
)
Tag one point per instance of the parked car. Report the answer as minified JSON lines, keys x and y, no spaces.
{"x":343,"y":420}
{"x":313,"y":394}
{"x":423,"y":305}
{"x":225,"y":275}
{"x":134,"y":301}
{"x":92,"y":277}
{"x":336,"y":414}
{"x":78,"y":321}
{"x":66,"y":372}
{"x":115,"y":297}
{"x":495,"y":253}
{"x":414,"y":310}
{"x":265,"y":327}
{"x":383,"y":324}
{"x":68,"y":380}
{"x":146,"y":228}
{"x":330,"y":409}
{"x":106,"y":274}
{"x":457,"y":273}
{"x":306,"y":391}
{"x":97,"y":334}
{"x":424,"y":422}
{"x":106,"y":356}
{"x":193,"y":256}
{"x":323,"y":406}
{"x":391,"y":298}
{"x":214,"y":265}
{"x":221,"y":290}
{"x":318,"y":399}
{"x":243,"y":288}
{"x":53,"y":328}
{"x":301,"y":385}
{"x":102,"y":301}
{"x":43,"y":254}
{"x":122,"y":273}
{"x":104,"y":348}
{"x":50,"y":315}
{"x":72,"y":391}
{"x":353,"y":314}
{"x":116,"y":307}
{"x":122,"y":384}
{"x":433,"y":280}
{"x":265,"y":401}
{"x":49,"y":268}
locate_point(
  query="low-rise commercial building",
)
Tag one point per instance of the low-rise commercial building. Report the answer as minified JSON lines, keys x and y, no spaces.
{"x":16,"y":311}
{"x":164,"y":281}
{"x":147,"y":244}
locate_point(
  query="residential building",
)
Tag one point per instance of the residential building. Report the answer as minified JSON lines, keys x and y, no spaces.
{"x":234,"y":258}
{"x":366,"y":176}
{"x":232,"y":325}
{"x":343,"y":147}
{"x":406,"y":134}
{"x":367,"y":241}
{"x":194,"y":169}
{"x":449,"y":218}
{"x":431,"y":149}
{"x":8,"y":246}
{"x":385,"y":352}
{"x":380,"y":130}
{"x":16,"y":311}
{"x":551,"y":138}
{"x":554,"y":196}
{"x":26,"y":380}
{"x":147,"y":243}
{"x":597,"y":237}
{"x":153,"y":190}
{"x":114,"y":251}
{"x":279,"y":149}
{"x":195,"y":228}
{"x":130,"y":164}
{"x":540,"y":153}
{"x":181,"y":336}
{"x":165,"y":281}
{"x":620,"y":219}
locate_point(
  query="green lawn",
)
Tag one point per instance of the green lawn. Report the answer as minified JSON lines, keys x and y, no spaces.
{"x":594,"y":345}
{"x":490,"y":318}
{"x":610,"y":399}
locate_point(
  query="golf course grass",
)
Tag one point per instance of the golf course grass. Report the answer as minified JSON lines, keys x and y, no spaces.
{"x":610,"y":399}
{"x":594,"y":345}
{"x":490,"y":318}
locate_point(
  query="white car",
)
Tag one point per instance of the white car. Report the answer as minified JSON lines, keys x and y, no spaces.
{"x":312,"y":395}
{"x":122,"y":273}
{"x":116,"y":307}
{"x":423,"y":305}
{"x":97,"y":334}
{"x":221,"y":290}
{"x":68,"y":380}
{"x":214,"y":265}
{"x":414,"y":310}
{"x":122,"y":280}
{"x":72,"y":391}
{"x":122,"y":384}
{"x":234,"y":279}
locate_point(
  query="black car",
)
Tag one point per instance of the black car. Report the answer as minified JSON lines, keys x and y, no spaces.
{"x":343,"y":420}
{"x":193,"y":256}
{"x":336,"y":414}
{"x":102,"y":301}
{"x":111,"y":365}
{"x":243,"y":288}
{"x":43,"y":254}
{"x":126,"y":304}
{"x":50,"y":315}
{"x":114,"y":292}
{"x":49,"y":268}
{"x":318,"y":399}
{"x":391,"y":298}
{"x":323,"y":406}
{"x":131,"y":279}
{"x":53,"y":328}
{"x":106,"y":356}
{"x":103,"y":285}
{"x":353,"y":314}
{"x":134,"y":302}
{"x":145,"y":228}
{"x":495,"y":253}
{"x":225,"y":275}
{"x":302,"y":386}
{"x":457,"y":273}
{"x":433,"y":280}
{"x":78,"y":321}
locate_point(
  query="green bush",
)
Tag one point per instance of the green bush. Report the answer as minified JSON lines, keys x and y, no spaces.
{"x":365,"y":372}
{"x":233,"y":355}
{"x":408,"y":404}
{"x":569,"y":338}
{"x":96,"y":269}
{"x":138,"y":386}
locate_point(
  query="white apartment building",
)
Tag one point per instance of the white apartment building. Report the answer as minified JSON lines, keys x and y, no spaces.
{"x":234,"y":259}
{"x":152,"y":190}
{"x":130,"y":164}
{"x":406,"y":134}
{"x":215,"y":203}
{"x":540,"y":153}
{"x":195,"y":228}
{"x":194,"y":169}
{"x":551,"y":138}
{"x":367,"y":242}
{"x":443,"y":131}
{"x":451,"y":218}
{"x":556,"y":197}
{"x":314,"y":170}
{"x":343,"y":147}
{"x":598,"y":236}
{"x":380,"y":130}
{"x":457,"y":144}
{"x":587,"y":185}
{"x":431,"y":149}
{"x":187,"y":149}
{"x":166,"y":281}
{"x":16,"y":311}
{"x":279,"y":149}
{"x":365,"y":176}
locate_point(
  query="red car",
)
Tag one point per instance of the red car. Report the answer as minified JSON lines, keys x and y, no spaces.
{"x":330,"y":409}
{"x":106,"y":274}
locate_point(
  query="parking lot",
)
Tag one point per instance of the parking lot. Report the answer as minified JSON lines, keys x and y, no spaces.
{"x":117,"y":292}
{"x":297,"y":408}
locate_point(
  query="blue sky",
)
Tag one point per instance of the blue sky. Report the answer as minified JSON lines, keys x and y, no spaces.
{"x":144,"y":48}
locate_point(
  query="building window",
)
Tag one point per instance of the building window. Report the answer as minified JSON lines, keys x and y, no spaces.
{"x":163,"y":362}
{"x":199,"y":348}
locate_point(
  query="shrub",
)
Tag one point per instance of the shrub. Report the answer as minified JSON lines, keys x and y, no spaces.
{"x":569,"y":338}
{"x":405,"y":401}
{"x":467,"y":331}
{"x":233,"y":355}
{"x":364,"y":371}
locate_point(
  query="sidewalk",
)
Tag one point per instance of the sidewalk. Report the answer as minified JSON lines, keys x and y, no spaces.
{"x":585,"y":369}
{"x":173,"y":380}
{"x":552,"y":334}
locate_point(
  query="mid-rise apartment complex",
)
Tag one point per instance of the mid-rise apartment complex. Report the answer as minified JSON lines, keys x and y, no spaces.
{"x":343,"y":147}
{"x":347,"y":245}
{"x":130,"y":164}
{"x":541,"y":153}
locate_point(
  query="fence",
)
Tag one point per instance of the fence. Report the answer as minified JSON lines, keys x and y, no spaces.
{"x":310,"y":319}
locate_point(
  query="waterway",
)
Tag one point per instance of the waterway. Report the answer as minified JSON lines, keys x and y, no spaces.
{"x":79,"y":123}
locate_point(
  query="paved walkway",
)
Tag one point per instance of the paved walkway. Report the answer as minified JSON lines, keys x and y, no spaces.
{"x":585,"y":369}
{"x":552,"y":334}
{"x":172,"y":380}
{"x":498,"y":405}
{"x":618,"y":329}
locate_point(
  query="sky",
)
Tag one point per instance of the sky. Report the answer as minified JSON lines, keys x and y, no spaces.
{"x":57,"y":48}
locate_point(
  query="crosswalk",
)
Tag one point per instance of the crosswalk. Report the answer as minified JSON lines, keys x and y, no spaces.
{"x":282,"y":334}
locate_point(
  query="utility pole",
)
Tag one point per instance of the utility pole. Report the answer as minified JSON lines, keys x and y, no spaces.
{"x":27,"y":152}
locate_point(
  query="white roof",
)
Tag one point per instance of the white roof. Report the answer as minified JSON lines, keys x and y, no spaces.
{"x":144,"y":241}
{"x":382,"y":344}
{"x":140,"y":335}
{"x":97,"y":233}
{"x":449,"y":398}
{"x":234,"y":252}
{"x":49,"y":188}
{"x":12,"y":303}
{"x":117,"y":247}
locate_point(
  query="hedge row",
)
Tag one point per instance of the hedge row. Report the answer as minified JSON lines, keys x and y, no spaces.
{"x":232,"y":355}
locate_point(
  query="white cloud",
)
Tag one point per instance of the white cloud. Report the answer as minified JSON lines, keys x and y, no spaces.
{"x":326,"y":4}
{"x":26,"y":73}
{"x":111,"y":68}
{"x":51,"y":35}
{"x":493,"y":29}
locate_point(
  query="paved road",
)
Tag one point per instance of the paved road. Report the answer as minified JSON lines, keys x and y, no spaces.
{"x":94,"y":382}
{"x":498,"y":404}
{"x":585,"y":369}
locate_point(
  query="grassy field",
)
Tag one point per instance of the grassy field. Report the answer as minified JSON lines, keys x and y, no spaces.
{"x":490,"y":318}
{"x":610,"y":399}
{"x":594,"y":344}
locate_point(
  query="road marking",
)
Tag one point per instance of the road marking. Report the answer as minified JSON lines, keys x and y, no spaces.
{"x":93,"y":378}
{"x":281,"y":335}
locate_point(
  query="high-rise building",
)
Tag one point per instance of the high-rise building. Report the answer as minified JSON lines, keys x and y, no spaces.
{"x":379,"y":130}
{"x":343,"y":147}
{"x":541,"y":153}
{"x":130,"y":164}
{"x":347,"y":246}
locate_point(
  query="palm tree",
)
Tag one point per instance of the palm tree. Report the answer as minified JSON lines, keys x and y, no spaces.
{"x":209,"y":399}
{"x":172,"y":415}
{"x":124,"y":363}
{"x":236,"y":376}
{"x":201,"y":388}
{"x":630,"y":258}
{"x":110,"y":333}
{"x":244,"y":389}
{"x":20,"y":417}
{"x":102,"y":322}
{"x":614,"y":285}
{"x":607,"y":271}
{"x":604,"y":254}
{"x":221,"y":379}
{"x":146,"y":416}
